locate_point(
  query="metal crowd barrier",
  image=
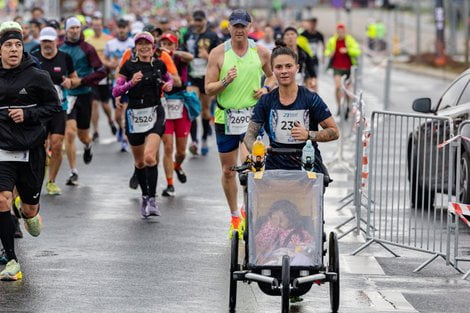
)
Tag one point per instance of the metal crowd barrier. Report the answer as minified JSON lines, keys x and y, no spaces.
{"x":407,"y":173}
{"x":460,"y":209}
{"x":359,"y":127}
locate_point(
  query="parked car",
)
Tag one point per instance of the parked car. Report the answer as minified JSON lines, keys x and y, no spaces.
{"x":427,"y":165}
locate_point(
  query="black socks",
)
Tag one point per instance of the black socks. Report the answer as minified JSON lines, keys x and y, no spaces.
{"x":152,"y":178}
{"x":142,"y":178}
{"x":7,"y":234}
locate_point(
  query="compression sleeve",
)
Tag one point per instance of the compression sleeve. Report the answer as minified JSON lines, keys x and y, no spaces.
{"x":121,"y":87}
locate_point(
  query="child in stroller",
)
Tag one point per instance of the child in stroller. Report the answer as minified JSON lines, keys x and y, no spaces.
{"x":284,"y":232}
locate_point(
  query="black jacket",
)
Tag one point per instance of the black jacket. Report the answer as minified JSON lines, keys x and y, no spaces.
{"x":307,"y":64}
{"x":31,"y":89}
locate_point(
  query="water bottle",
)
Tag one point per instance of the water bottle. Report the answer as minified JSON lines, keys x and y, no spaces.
{"x":258,"y":153}
{"x":308,"y":156}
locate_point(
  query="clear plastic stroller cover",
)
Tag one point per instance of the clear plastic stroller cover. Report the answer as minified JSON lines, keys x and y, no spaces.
{"x":285,"y":218}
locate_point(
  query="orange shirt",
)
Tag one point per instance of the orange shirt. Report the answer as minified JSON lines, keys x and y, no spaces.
{"x":164,"y":57}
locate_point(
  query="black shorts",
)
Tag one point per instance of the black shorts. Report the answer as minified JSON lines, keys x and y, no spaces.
{"x":81,"y":111}
{"x":57,"y":124}
{"x":26,"y":176}
{"x":137,"y":139}
{"x":197,"y":82}
{"x":101,"y":93}
{"x":341,"y":72}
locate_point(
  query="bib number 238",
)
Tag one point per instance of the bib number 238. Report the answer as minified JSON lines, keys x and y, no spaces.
{"x":237,"y":121}
{"x":141,"y":120}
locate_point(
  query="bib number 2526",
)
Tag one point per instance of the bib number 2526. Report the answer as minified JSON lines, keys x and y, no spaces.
{"x":141,"y":120}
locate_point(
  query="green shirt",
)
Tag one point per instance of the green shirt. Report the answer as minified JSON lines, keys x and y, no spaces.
{"x":239,"y":93}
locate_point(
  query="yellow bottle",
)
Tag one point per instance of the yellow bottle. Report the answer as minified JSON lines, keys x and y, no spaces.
{"x":258,"y":153}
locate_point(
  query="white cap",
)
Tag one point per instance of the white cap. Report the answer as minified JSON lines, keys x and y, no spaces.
{"x":48,"y":33}
{"x":72,"y":21}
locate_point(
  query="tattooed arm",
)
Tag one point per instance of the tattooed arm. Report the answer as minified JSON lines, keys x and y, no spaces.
{"x":329,"y":132}
{"x":251,"y":134}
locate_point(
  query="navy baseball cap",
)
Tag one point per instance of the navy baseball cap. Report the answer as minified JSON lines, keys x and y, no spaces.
{"x":239,"y":16}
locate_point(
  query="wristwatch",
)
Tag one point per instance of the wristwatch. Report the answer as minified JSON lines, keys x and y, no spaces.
{"x":267,"y":88}
{"x":312,"y":135}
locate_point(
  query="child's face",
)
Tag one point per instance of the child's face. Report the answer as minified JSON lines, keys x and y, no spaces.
{"x":280,"y":220}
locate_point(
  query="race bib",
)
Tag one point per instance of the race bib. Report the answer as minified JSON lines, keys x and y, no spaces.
{"x":198,"y":67}
{"x":14,"y":156}
{"x":174,"y":109}
{"x":236,"y":121}
{"x":60,"y":93}
{"x":285,"y":122}
{"x":71,"y":100}
{"x":141,"y":120}
{"x":314,"y":48}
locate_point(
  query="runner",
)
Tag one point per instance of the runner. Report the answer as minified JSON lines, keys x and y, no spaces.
{"x":90,"y":71}
{"x":234,"y":74}
{"x":102,"y":92}
{"x":343,"y":51}
{"x":141,"y":78}
{"x":170,"y":67}
{"x":306,"y":110}
{"x":59,"y":65}
{"x":27,"y":100}
{"x":113,"y":53}
{"x":317,"y":46}
{"x":268,"y":39}
{"x":306,"y":66}
{"x":199,"y":41}
{"x":177,"y":118}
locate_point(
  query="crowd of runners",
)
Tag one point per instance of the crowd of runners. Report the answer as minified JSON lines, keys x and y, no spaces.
{"x":164,"y":84}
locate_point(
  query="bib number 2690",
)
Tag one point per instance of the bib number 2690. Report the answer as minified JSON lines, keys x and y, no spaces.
{"x":237,"y":121}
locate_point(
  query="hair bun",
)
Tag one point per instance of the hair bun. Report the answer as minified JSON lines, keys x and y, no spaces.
{"x":279,"y":43}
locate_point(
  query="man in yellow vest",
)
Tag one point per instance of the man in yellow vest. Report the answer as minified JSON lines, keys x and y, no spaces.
{"x":343,"y":50}
{"x":234,"y":74}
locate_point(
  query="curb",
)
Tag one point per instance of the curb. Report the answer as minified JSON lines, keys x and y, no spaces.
{"x":424,"y":70}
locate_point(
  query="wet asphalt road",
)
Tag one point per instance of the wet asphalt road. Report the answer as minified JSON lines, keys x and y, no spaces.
{"x":96,"y":254}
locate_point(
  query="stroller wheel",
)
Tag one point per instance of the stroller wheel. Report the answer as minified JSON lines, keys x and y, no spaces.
{"x":285,"y":285}
{"x":233,"y":268}
{"x":333,"y":266}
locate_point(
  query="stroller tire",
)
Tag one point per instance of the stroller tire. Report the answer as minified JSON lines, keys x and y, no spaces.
{"x":285,"y":284}
{"x":233,"y":268}
{"x":333,"y":266}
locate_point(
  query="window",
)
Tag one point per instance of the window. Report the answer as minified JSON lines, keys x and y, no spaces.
{"x":452,"y":95}
{"x":465,"y":97}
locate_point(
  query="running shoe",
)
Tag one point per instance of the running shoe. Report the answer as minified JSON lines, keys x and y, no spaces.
{"x":52,"y":188}
{"x":87,"y":155}
{"x":193,"y":148}
{"x":113,"y":128}
{"x":18,"y":232}
{"x":134,"y":181}
{"x":169,"y":191}
{"x":33,"y":225}
{"x":143,"y":207}
{"x":236,"y":223}
{"x":181,"y":175}
{"x":204,"y":148}
{"x":96,"y":137}
{"x":124,"y":145}
{"x":12,"y":271}
{"x":3,"y":257}
{"x":72,"y":180}
{"x":152,"y":207}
